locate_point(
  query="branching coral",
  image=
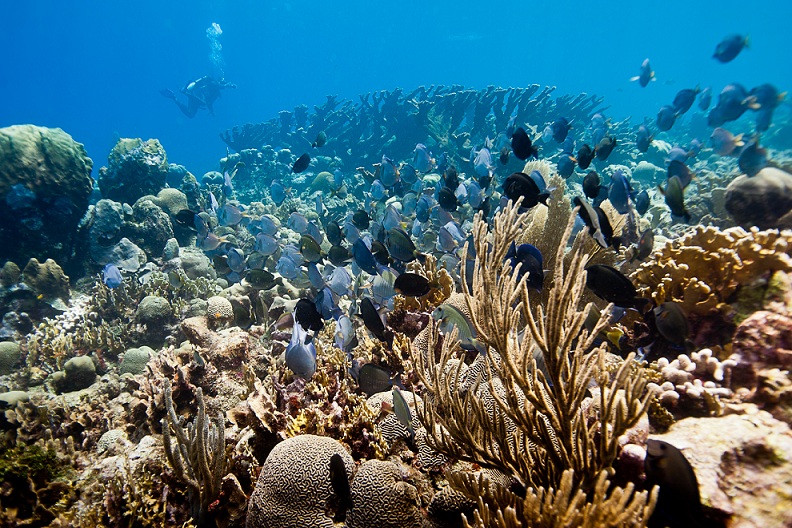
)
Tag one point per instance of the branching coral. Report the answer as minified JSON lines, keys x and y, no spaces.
{"x":530,"y":424}
{"x":702,"y":270}
{"x":198,"y":458}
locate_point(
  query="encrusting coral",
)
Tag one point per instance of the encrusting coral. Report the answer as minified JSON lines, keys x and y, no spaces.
{"x":532,"y":423}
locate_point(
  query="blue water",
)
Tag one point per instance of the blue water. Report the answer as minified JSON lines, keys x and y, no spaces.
{"x":95,"y":68}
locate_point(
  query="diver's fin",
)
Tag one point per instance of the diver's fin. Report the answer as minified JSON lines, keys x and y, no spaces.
{"x":169,"y":94}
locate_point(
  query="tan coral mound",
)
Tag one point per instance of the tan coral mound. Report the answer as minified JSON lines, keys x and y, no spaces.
{"x":703,"y":269}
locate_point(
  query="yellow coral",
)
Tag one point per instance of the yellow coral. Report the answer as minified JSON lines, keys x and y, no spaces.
{"x":442,"y":286}
{"x":703,"y":269}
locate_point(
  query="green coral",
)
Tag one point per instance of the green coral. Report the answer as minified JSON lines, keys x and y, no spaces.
{"x":30,"y":461}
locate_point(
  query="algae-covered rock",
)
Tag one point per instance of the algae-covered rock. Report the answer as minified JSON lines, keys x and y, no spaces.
{"x":47,"y":279}
{"x":170,"y":200}
{"x":11,"y":398}
{"x":196,"y":264}
{"x":45,"y":184}
{"x":150,"y":227}
{"x":135,"y":360}
{"x":153,"y":310}
{"x":761,"y":200}
{"x":9,"y":355}
{"x":135,"y":168}
{"x":78,"y":373}
{"x":323,"y":182}
{"x":9,"y":274}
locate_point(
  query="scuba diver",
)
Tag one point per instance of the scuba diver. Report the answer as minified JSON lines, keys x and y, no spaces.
{"x":201,"y":93}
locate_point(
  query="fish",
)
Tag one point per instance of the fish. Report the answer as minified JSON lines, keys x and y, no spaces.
{"x":768,"y":97}
{"x":261,"y":279}
{"x":482,"y":163}
{"x":298,"y":223}
{"x":380,"y":253}
{"x":530,"y":260}
{"x":333,"y":233}
{"x":111,"y":276}
{"x":666,"y":117}
{"x":315,"y":277}
{"x":521,"y":145}
{"x":278,"y":192}
{"x":373,"y":322}
{"x":363,"y":257}
{"x":591,"y":185}
{"x":339,"y":481}
{"x":402,"y":411}
{"x":287,"y":267}
{"x":301,"y":164}
{"x":679,"y":500}
{"x":450,"y":317}
{"x":382,"y":290}
{"x":373,"y":379}
{"x":724,"y":142}
{"x":681,"y":171}
{"x":560,"y":129}
{"x":408,"y":174}
{"x":186,"y":218}
{"x":731,"y":46}
{"x":321,"y":139}
{"x":644,"y":247}
{"x":401,"y":246}
{"x":678,"y":154}
{"x":684,"y":99}
{"x":619,"y":192}
{"x":423,"y":208}
{"x":228,"y":186}
{"x":585,"y":156}
{"x":229,"y":215}
{"x":642,"y":202}
{"x":300,"y":353}
{"x":447,"y":199}
{"x":590,"y":217}
{"x":310,"y":249}
{"x":504,"y":156}
{"x":610,"y":285}
{"x":339,"y":255}
{"x":211,"y":242}
{"x":671,"y":321}
{"x":733,"y":102}
{"x":269,"y":225}
{"x":753,"y":158}
{"x":345,"y":337}
{"x":521,"y":186}
{"x":361,"y":219}
{"x":378,"y":191}
{"x":388,"y":173}
{"x":646,"y":74}
{"x":643,"y":139}
{"x":675,"y":199}
{"x":307,"y":316}
{"x":339,"y":281}
{"x":705,"y":98}
{"x":235,"y":258}
{"x":412,"y":285}
{"x":565,"y":165}
{"x":422,"y":159}
{"x":605,"y":147}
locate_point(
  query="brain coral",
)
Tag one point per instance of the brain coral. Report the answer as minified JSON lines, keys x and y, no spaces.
{"x":45,"y":182}
{"x":294,"y":487}
{"x":219,"y":309}
{"x":382,"y":499}
{"x":703,"y":269}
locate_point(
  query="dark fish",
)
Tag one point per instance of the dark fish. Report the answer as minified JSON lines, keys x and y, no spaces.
{"x":321,"y":139}
{"x":412,"y":285}
{"x":684,"y":99}
{"x":363,"y":257}
{"x":591,"y":185}
{"x":451,"y":177}
{"x":186,"y":218}
{"x":333,"y":233}
{"x":666,"y":117}
{"x":645,"y":246}
{"x":733,"y":101}
{"x":339,"y":479}
{"x":504,"y":155}
{"x":361,"y":219}
{"x":560,"y":129}
{"x":675,"y":198}
{"x":111,"y":276}
{"x":643,"y":139}
{"x":339,"y":255}
{"x":705,"y":98}
{"x":611,"y":285}
{"x":565,"y":165}
{"x":373,"y":379}
{"x":619,"y":192}
{"x":585,"y":155}
{"x":307,"y":316}
{"x":380,"y":253}
{"x":310,"y":249}
{"x":520,"y":185}
{"x":260,"y":279}
{"x":605,"y":147}
{"x":401,"y":246}
{"x":671,"y":322}
{"x":373,"y":322}
{"x":646,"y":75}
{"x":521,"y":145}
{"x":447,"y":199}
{"x":590,"y":217}
{"x":530,"y":259}
{"x":768,"y":97}
{"x":681,"y":171}
{"x":606,"y":229}
{"x":301,"y":164}
{"x":731,"y":46}
{"x":679,"y":501}
{"x":753,"y":158}
{"x":642,"y":202}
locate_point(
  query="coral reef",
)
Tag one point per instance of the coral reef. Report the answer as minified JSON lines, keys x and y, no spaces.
{"x":761,"y":200}
{"x":45,"y":182}
{"x":134,"y":169}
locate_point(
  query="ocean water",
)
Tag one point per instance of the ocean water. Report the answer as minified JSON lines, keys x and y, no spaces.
{"x":95,"y":68}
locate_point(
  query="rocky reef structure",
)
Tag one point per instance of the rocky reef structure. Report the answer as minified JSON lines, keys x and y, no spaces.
{"x":45,"y":182}
{"x":134,"y":169}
